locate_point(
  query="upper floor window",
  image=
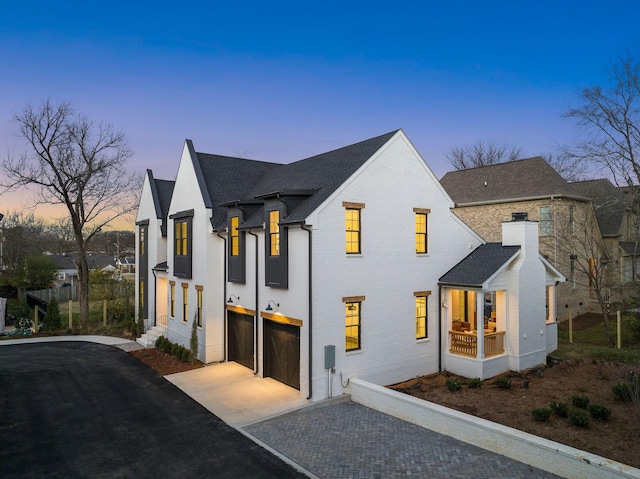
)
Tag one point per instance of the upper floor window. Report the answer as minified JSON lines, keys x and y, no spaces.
{"x":421,"y":314}
{"x":142,"y":241}
{"x":235,"y":238}
{"x":181,"y":237}
{"x":572,"y":270}
{"x":352,"y":227}
{"x":274,"y":233}
{"x":421,"y":230}
{"x":545,"y":220}
{"x":182,"y":243}
{"x":572,"y":220}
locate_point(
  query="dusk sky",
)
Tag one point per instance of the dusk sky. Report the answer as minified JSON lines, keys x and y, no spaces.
{"x":282,"y":81}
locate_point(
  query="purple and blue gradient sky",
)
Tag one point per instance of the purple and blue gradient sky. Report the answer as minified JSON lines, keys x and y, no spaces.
{"x":281,"y":81}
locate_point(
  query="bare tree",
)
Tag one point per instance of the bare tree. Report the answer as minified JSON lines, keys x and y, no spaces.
{"x":23,"y":235}
{"x":609,"y":120}
{"x":568,"y":166}
{"x":482,"y":154}
{"x":583,"y":255}
{"x":75,"y":162}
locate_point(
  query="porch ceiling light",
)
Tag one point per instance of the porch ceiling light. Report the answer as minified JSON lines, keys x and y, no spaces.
{"x":230,"y":300}
{"x":269,"y":308}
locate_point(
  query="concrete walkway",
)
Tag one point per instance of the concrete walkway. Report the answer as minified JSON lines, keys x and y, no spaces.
{"x":237,"y":396}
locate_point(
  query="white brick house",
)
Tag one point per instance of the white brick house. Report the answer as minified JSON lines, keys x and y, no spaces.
{"x":319,"y":270}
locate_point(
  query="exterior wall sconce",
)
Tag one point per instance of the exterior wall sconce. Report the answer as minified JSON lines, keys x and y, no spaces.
{"x":230,"y":300}
{"x":444,"y":304}
{"x":269,"y":308}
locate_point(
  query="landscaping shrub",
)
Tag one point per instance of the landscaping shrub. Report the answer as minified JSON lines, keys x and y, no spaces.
{"x":542,"y":414}
{"x":474,"y":383}
{"x":52,"y":320}
{"x":560,"y":409}
{"x":579,"y":418}
{"x":185,"y":356}
{"x":599,"y":412}
{"x":453,"y":385}
{"x":503,"y":382}
{"x":622,"y":391}
{"x":580,"y":401}
{"x":193,"y":343}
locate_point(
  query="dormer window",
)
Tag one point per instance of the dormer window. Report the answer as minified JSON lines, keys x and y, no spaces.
{"x":182,"y":243}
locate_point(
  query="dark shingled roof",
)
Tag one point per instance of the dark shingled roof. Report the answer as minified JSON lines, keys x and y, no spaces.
{"x":480,"y":265}
{"x":164,"y":188}
{"x":504,"y":182}
{"x":609,"y":203}
{"x":228,"y":179}
{"x":630,"y":248}
{"x":234,"y":179}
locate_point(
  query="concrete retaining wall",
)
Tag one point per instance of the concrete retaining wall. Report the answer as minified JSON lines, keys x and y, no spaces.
{"x":547,"y":455}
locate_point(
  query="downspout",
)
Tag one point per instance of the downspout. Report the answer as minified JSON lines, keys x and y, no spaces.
{"x":310,"y":289}
{"x":439,"y":328}
{"x":155,"y":296}
{"x":224,"y":301}
{"x":255,"y":325}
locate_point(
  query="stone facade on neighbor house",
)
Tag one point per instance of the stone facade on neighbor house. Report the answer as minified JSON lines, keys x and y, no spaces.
{"x":486,"y":196}
{"x":331,"y":267}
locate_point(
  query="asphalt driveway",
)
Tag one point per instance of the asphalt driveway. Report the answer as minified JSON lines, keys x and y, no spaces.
{"x":79,"y":410}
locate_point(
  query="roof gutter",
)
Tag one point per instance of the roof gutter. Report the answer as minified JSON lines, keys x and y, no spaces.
{"x":521,"y":199}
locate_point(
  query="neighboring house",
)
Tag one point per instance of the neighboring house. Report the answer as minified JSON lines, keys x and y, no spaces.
{"x":619,"y":230}
{"x":485,"y":197}
{"x":67,"y":273}
{"x":345,"y":264}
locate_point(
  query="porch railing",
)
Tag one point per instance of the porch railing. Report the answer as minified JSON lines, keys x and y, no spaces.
{"x":161,"y":322}
{"x":466,"y":343}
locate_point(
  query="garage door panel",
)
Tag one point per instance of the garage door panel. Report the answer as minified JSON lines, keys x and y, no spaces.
{"x":282,"y":353}
{"x":240,"y":339}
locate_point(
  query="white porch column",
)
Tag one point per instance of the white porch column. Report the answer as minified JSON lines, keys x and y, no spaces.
{"x":480,"y":323}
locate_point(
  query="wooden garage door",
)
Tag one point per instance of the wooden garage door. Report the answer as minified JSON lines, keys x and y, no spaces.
{"x":240,"y":333}
{"x":282,"y":353}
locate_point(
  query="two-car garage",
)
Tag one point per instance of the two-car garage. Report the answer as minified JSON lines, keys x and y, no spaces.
{"x":281,"y":346}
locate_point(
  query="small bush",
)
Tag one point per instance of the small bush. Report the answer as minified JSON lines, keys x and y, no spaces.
{"x":599,"y":412}
{"x":626,"y":391}
{"x":52,"y":320}
{"x":560,"y":409}
{"x":542,"y":414}
{"x":453,"y":385}
{"x":579,"y":418}
{"x":166,"y":347}
{"x":174,"y":349}
{"x":185,"y":356}
{"x":474,"y":383}
{"x":580,"y":401}
{"x":503,"y":382}
{"x":160,"y":342}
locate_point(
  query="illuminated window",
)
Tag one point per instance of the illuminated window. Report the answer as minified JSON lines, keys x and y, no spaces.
{"x":235,"y":238}
{"x":545,"y":220}
{"x":181,"y":237}
{"x":421,"y":314}
{"x":172,"y":299}
{"x":199,"y":305}
{"x":142,"y":241}
{"x":185,"y":301}
{"x":274,"y":233}
{"x":141,"y":294}
{"x":352,"y":227}
{"x":352,"y":323}
{"x":421,"y":230}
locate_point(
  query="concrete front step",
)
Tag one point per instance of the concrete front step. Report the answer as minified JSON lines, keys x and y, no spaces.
{"x":148,"y":339}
